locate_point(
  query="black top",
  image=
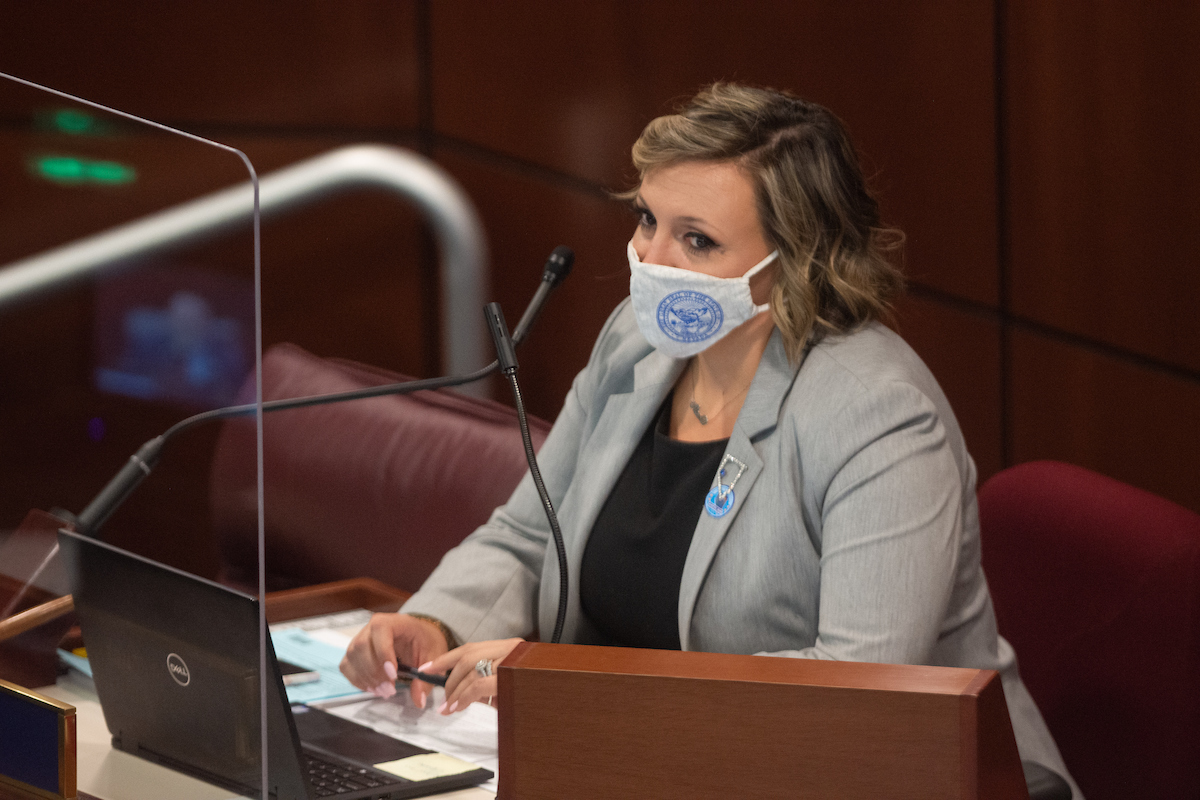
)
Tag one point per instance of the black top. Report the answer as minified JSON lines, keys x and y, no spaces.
{"x":633,"y":562}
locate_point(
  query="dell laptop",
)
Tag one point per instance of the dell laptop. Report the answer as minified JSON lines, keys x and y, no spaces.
{"x":175,"y":659}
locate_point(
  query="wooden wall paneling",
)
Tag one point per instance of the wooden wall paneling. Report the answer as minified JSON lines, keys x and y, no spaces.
{"x":1112,"y":415}
{"x":526,"y":217}
{"x":961,"y":346}
{"x":43,"y":367}
{"x":570,"y":86}
{"x":349,"y":279}
{"x":1103,"y":129}
{"x":307,"y":63}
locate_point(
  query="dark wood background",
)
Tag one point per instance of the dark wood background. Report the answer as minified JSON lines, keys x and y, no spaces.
{"x":1044,"y":160}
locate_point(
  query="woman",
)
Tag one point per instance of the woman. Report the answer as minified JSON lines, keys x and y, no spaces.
{"x":788,"y":483}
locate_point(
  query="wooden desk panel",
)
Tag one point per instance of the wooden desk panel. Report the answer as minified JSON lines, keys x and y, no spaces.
{"x":330,"y":598}
{"x":607,"y":722}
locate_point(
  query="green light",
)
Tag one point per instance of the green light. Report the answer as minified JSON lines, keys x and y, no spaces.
{"x":72,"y":171}
{"x":73,"y":122}
{"x":69,"y":121}
{"x":60,"y":170}
{"x":110,"y":172}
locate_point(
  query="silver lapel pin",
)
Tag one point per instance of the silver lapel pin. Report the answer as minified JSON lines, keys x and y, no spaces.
{"x":720,"y":498}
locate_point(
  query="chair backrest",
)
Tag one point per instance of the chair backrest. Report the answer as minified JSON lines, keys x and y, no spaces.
{"x":1097,"y":586}
{"x":377,"y":488}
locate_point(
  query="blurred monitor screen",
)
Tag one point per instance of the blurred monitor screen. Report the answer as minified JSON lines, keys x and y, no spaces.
{"x":179,"y":334}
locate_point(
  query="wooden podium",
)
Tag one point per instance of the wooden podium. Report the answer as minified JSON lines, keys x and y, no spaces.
{"x":602,"y":722}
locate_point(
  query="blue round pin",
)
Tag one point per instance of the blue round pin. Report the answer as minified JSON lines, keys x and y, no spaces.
{"x":713,"y":503}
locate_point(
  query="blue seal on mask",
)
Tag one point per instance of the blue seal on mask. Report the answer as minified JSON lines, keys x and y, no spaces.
{"x":689,"y":316}
{"x":719,"y":501}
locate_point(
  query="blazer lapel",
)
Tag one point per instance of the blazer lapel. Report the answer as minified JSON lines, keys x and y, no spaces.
{"x":606,"y":452}
{"x":756,"y":420}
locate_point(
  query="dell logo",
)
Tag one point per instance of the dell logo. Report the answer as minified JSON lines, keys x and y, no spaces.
{"x":178,"y":670}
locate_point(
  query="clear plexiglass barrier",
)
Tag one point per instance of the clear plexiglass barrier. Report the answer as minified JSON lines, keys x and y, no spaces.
{"x":128,"y":304}
{"x":146,"y":356}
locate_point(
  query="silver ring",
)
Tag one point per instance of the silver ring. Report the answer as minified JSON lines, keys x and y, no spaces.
{"x":484,"y":667}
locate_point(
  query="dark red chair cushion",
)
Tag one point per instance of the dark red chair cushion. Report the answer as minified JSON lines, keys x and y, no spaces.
{"x":381,"y":487}
{"x":1097,"y":586}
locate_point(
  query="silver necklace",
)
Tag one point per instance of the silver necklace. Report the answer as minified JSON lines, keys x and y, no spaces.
{"x":696,"y":406}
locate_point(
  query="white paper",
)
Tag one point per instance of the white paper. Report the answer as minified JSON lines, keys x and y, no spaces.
{"x":354,"y":619}
{"x":334,"y":638}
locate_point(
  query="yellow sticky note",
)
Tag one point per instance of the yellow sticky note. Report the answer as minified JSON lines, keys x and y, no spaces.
{"x":426,"y":766}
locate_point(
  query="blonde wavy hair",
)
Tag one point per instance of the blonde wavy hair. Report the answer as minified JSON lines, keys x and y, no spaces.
{"x":835,"y":271}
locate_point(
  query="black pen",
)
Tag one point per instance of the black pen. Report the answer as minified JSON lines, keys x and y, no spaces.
{"x":436,"y":680}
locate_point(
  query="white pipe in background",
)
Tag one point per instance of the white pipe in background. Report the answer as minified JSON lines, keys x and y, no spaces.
{"x":462,"y":247}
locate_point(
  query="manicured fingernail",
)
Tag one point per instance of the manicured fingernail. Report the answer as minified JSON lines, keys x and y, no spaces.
{"x":442,"y":708}
{"x":453,"y":706}
{"x":425,"y":666}
{"x":385,"y":690}
{"x":389,"y":669}
{"x":421,"y":701}
{"x":378,"y":690}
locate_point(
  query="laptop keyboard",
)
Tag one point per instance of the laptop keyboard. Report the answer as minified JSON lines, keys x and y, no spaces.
{"x":329,"y":778}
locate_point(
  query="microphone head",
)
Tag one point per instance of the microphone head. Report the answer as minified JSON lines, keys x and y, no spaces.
{"x":558,"y":265}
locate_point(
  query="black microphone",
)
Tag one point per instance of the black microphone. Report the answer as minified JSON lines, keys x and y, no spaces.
{"x":121,"y":486}
{"x":114,"y":493}
{"x":506,"y":353}
{"x":558,"y":267}
{"x":508,"y":365}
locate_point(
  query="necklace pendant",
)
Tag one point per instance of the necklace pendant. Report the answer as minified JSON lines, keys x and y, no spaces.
{"x":696,"y":410}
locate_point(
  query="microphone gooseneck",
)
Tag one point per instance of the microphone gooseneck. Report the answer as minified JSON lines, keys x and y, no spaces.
{"x":508,"y":365}
{"x":143,"y":462}
{"x":110,"y":498}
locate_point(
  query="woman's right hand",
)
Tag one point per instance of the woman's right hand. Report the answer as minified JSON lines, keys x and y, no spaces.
{"x":383,"y":643}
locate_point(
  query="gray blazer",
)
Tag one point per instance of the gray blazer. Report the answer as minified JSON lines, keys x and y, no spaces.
{"x":854,"y":533}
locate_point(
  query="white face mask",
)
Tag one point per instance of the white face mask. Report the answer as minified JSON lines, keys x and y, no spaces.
{"x":681,"y":312}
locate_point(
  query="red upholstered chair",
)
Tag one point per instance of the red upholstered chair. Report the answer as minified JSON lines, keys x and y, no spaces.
{"x":1097,"y":586}
{"x":380,"y":488}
